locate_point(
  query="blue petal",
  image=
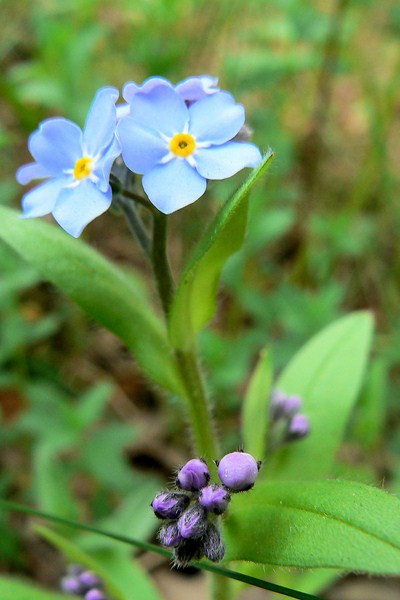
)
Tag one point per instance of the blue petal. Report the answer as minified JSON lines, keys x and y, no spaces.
{"x":42,"y":199}
{"x":103,"y":168}
{"x":161,"y":109}
{"x":56,"y":145}
{"x":123,"y":110}
{"x":130,"y":88}
{"x":220,"y":162}
{"x":173,"y":185}
{"x":76,"y":207}
{"x":196,"y":88}
{"x":101,"y":121}
{"x":26,"y":173}
{"x":216,"y":118}
{"x":142,"y":147}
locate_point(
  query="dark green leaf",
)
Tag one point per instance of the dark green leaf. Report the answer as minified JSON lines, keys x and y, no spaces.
{"x":333,"y":524}
{"x":194,"y":302}
{"x":113,"y":298}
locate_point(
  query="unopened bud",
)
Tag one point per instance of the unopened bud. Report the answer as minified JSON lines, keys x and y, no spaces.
{"x":214,"y":498}
{"x":238,"y":471}
{"x":193,"y":475}
{"x":186,"y":551}
{"x":169,"y":505}
{"x":283,"y":405}
{"x":191,"y":524}
{"x":71,"y":585}
{"x":95,"y":594}
{"x":212,"y":544}
{"x":299,"y":427}
{"x":169,"y":535}
{"x":88,"y":579}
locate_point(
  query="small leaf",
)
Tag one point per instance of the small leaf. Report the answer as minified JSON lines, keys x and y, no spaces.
{"x":327,"y":373}
{"x":332,"y":524}
{"x":194,"y":302}
{"x":14,"y":589}
{"x":113,"y":298}
{"x":256,"y":407}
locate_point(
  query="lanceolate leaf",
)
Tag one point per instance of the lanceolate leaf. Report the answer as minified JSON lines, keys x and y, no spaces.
{"x":194,"y":302}
{"x":327,"y":373}
{"x":114,"y":299}
{"x":334,"y":524}
{"x":256,"y":407}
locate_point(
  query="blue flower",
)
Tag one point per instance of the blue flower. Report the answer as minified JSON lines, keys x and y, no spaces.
{"x":190,"y":89}
{"x":76,"y":166}
{"x":178,"y":147}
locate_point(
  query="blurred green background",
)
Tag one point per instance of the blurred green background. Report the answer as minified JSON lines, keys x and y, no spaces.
{"x":320,"y":83}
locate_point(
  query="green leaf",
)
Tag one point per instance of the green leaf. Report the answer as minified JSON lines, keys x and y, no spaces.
{"x":327,"y":373}
{"x":256,"y":406}
{"x":194,"y":302}
{"x":332,"y":524}
{"x":14,"y":589}
{"x":113,"y":298}
{"x":73,"y":553}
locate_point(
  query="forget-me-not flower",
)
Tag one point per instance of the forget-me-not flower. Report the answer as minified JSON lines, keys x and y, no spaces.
{"x":177,"y":147}
{"x":76,"y":166}
{"x":190,"y":89}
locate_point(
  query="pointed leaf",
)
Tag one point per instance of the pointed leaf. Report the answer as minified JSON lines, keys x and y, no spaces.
{"x":333,"y":524}
{"x":194,"y":302}
{"x":327,"y":373}
{"x":15,"y":589}
{"x":256,"y":407}
{"x":111,"y":297}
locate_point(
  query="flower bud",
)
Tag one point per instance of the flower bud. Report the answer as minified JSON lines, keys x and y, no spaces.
{"x":169,"y":505}
{"x":186,"y":551}
{"x":95,"y":594}
{"x":299,"y":427}
{"x":238,"y":471}
{"x":214,"y":498}
{"x":191,"y":524}
{"x":212,"y":544}
{"x":283,"y":405}
{"x":193,"y":475}
{"x":89,"y":580}
{"x":169,"y":535}
{"x":71,"y":585}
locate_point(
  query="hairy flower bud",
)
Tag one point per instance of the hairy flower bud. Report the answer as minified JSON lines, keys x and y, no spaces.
{"x":214,"y":498}
{"x":299,"y":427}
{"x":284,"y":405}
{"x":238,"y":471}
{"x":169,"y":505}
{"x":191,"y":524}
{"x":169,"y":535}
{"x":213,"y":546}
{"x":193,"y":475}
{"x":186,"y":551}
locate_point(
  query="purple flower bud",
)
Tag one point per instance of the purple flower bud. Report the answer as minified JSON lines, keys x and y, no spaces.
{"x":193,"y":475}
{"x":191,"y":524}
{"x":71,"y":585}
{"x":283,"y":405}
{"x":169,"y":505}
{"x":88,"y":580}
{"x":74,"y":570}
{"x":169,"y":535}
{"x":95,"y":594}
{"x":212,"y":544}
{"x":238,"y":471}
{"x":299,"y":427}
{"x":214,"y":498}
{"x":187,"y":551}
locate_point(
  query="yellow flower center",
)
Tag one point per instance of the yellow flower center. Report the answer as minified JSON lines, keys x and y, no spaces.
{"x":83,"y":167}
{"x":182,"y":144}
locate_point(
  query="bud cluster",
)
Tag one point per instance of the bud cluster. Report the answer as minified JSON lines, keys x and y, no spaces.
{"x":83,"y":583}
{"x":287,"y":421}
{"x":191,"y":510}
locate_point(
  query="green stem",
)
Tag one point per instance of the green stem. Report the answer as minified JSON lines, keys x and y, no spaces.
{"x":134,"y":223}
{"x":160,"y":263}
{"x":198,"y":405}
